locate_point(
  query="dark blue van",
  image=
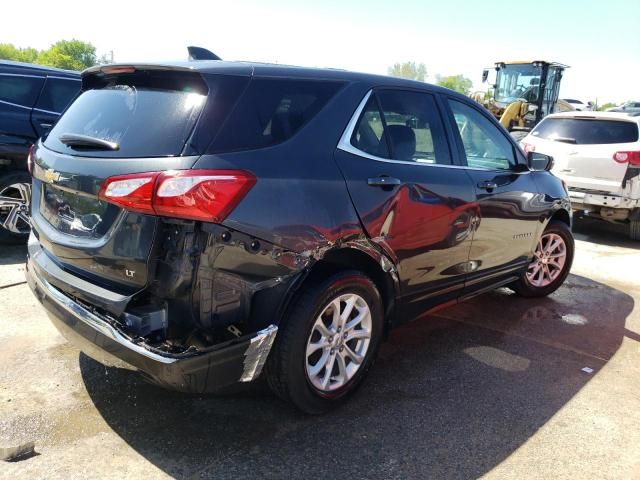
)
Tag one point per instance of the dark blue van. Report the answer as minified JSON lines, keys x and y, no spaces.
{"x":31,"y":100}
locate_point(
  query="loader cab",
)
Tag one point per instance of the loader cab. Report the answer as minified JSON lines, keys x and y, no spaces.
{"x":535,"y":83}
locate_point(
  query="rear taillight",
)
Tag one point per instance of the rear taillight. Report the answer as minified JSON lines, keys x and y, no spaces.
{"x":632,"y":158}
{"x":208,"y":195}
{"x":30,"y":160}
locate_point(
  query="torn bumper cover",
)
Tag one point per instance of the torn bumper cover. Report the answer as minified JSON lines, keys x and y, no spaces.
{"x":239,"y":360}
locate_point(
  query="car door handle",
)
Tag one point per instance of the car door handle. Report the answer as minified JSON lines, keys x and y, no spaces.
{"x":383,"y":181}
{"x":488,"y":185}
{"x":46,"y":125}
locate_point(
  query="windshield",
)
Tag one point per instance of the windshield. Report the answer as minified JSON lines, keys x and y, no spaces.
{"x":518,"y":81}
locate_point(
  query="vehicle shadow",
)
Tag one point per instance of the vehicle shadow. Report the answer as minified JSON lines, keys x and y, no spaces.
{"x":451,"y":396}
{"x":602,"y":232}
{"x":12,"y":254}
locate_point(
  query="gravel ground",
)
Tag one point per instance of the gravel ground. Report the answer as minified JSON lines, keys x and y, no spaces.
{"x":493,"y":387}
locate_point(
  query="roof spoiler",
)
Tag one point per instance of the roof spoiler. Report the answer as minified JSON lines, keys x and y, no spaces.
{"x":199,"y":53}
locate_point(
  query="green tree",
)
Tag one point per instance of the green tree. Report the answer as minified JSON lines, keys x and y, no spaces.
{"x":459,"y":83}
{"x":11,"y":52}
{"x":409,"y":70}
{"x":604,"y":106}
{"x":69,"y":54}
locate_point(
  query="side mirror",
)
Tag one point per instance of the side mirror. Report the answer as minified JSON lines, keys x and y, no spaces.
{"x":539,"y":161}
{"x":485,"y":75}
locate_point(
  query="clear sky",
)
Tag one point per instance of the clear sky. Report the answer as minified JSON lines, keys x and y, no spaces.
{"x":599,"y":39}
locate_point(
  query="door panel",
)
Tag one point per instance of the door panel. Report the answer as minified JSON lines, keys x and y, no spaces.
{"x":508,"y":200}
{"x":419,"y":210}
{"x":509,"y":226}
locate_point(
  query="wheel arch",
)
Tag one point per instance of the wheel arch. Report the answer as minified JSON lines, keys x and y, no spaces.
{"x":561,"y":215}
{"x":358,"y":257}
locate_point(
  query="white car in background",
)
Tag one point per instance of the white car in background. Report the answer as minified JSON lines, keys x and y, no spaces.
{"x":597,"y":154}
{"x":579,"y":105}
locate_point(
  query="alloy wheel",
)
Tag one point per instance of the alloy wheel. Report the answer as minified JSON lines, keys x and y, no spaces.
{"x":338,"y":343}
{"x":549,"y":260}
{"x":15,"y":200}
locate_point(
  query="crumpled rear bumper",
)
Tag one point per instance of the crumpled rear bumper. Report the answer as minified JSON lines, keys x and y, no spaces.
{"x":239,"y":360}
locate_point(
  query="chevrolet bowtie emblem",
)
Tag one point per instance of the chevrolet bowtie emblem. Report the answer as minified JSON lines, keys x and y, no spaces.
{"x":51,"y":176}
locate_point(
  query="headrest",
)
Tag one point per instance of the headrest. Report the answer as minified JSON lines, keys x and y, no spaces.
{"x":403,"y":141}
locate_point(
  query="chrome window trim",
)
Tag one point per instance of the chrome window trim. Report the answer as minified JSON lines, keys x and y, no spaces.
{"x":46,"y":111}
{"x":345,"y":145}
{"x":22,"y":75}
{"x":14,"y":104}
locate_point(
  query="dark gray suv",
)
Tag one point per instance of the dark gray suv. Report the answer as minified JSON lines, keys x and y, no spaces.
{"x":200,"y":221}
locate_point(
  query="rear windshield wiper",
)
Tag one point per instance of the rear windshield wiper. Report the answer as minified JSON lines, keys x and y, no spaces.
{"x":565,"y":139}
{"x":84,"y":141}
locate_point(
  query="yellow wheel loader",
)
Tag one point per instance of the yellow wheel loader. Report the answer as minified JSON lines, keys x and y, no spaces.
{"x":524,"y":93}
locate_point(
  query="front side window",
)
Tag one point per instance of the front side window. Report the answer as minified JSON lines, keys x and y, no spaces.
{"x":402,"y":125}
{"x":484,"y":144}
{"x":20,"y":90}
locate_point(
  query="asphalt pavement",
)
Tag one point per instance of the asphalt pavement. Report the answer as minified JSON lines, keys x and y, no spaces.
{"x":498,"y":387}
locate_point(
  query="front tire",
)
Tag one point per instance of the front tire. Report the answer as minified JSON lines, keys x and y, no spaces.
{"x":327,"y":342}
{"x":551,"y":262}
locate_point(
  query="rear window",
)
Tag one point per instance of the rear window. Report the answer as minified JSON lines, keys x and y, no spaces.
{"x":581,"y":131}
{"x":272,"y":111}
{"x":57,"y":94}
{"x":19,"y":89}
{"x":146,"y":117}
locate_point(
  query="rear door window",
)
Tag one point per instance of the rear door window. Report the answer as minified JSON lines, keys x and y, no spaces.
{"x":581,"y":131}
{"x":368,"y":136}
{"x":407,"y":128}
{"x":57,"y":94}
{"x":272,"y":111}
{"x":19,"y":89}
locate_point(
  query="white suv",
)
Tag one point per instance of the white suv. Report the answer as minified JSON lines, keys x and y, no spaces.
{"x":597,"y":154}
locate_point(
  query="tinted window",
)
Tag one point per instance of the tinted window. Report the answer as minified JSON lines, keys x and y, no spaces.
{"x":148,"y":114}
{"x":21,"y":90}
{"x":408,"y":129}
{"x":272,"y":111}
{"x":57,"y":94}
{"x":368,"y":135}
{"x":587,"y":131}
{"x":485,"y":145}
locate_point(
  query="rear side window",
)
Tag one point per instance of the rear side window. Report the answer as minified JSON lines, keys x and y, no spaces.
{"x":581,"y":131}
{"x":272,"y":111}
{"x":20,"y":90}
{"x":146,"y":114}
{"x":57,"y":94}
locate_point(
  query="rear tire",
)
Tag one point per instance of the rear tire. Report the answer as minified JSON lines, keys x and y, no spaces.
{"x":634,"y":225}
{"x":550,"y":266}
{"x":15,"y":185}
{"x":312,"y":325}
